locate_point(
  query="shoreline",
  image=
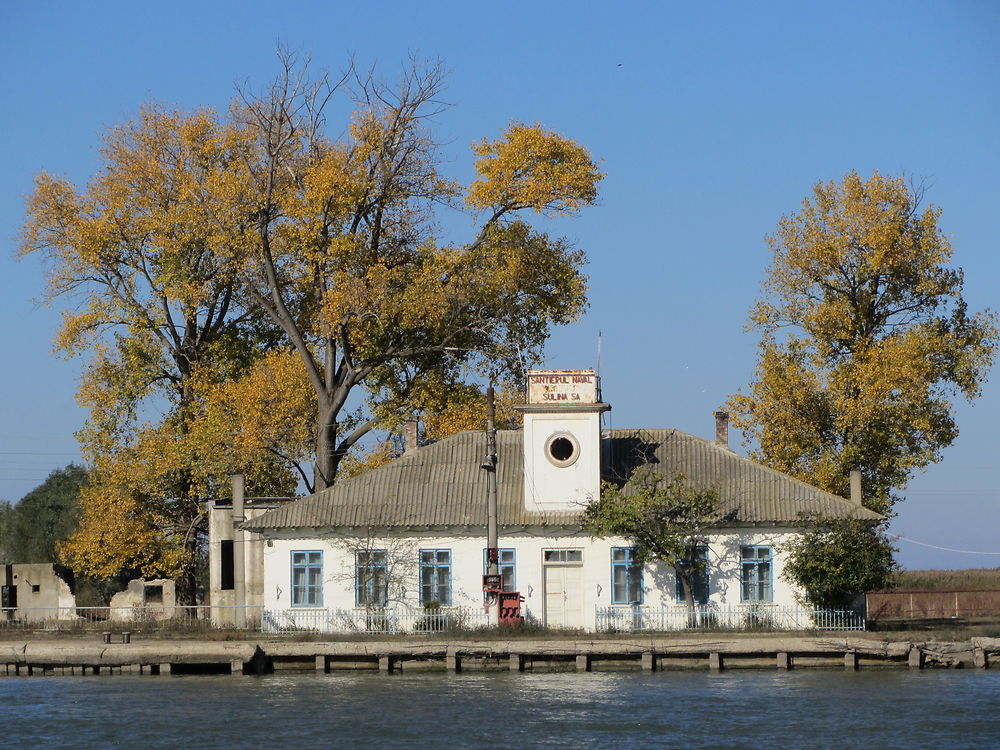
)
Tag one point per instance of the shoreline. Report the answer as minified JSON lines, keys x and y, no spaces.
{"x":712,"y":651}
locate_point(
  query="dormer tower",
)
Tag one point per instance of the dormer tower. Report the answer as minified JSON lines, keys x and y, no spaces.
{"x":562,"y":439}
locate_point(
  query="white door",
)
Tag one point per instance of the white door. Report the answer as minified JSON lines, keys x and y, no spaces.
{"x":564,"y":596}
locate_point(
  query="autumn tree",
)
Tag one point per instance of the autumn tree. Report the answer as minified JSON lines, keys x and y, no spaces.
{"x":666,"y":518}
{"x":256,"y":295}
{"x":866,"y":338}
{"x":341,"y":252}
{"x":156,"y":310}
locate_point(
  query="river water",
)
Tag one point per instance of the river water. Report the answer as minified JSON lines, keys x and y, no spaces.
{"x":689,"y":710}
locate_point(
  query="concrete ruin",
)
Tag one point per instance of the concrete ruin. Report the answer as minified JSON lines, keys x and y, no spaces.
{"x":155,"y":596}
{"x":35,"y":592}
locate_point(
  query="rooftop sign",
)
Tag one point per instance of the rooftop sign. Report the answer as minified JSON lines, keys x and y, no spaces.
{"x":566,"y":387}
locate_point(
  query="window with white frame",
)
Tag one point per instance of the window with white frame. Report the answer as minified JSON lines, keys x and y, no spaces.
{"x":696,"y":557}
{"x":371,"y":578}
{"x":626,"y":576}
{"x":756,"y":574}
{"x":307,"y":579}
{"x":435,"y":576}
{"x":505,"y":563}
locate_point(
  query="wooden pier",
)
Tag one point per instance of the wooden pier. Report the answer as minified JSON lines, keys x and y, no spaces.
{"x":158,"y":657}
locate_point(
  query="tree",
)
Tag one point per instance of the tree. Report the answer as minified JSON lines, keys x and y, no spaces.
{"x":158,"y":310}
{"x":48,"y":514}
{"x":838,"y":558}
{"x":257,"y":295}
{"x":341,"y":254}
{"x":665,"y":518}
{"x":865,"y":339}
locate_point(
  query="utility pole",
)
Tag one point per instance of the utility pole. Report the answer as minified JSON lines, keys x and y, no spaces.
{"x":490,"y":466}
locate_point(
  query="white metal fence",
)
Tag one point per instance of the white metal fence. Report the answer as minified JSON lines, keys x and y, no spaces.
{"x":747,"y":617}
{"x":373,"y":621}
{"x":150,"y":616}
{"x":387,"y":621}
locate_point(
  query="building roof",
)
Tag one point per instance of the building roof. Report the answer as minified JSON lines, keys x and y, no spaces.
{"x":442,"y":485}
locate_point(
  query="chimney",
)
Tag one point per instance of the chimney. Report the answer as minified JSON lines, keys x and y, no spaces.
{"x":857,"y":496}
{"x":722,"y":428}
{"x":410,"y":430}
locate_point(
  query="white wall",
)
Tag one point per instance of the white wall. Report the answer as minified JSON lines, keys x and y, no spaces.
{"x":467,"y":568}
{"x":550,"y":487}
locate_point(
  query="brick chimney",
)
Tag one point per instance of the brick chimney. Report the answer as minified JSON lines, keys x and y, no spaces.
{"x":722,"y":428}
{"x":410,"y":430}
{"x":857,"y":495}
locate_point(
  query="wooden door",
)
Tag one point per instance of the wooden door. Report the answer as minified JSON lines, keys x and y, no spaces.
{"x":564,"y":596}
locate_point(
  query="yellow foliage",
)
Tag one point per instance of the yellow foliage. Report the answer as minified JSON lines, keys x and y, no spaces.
{"x":465,"y":409}
{"x":875,"y":340}
{"x":530,"y":167}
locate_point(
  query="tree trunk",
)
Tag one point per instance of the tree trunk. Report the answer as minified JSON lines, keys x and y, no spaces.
{"x":685,"y":575}
{"x":325,"y":468}
{"x":186,"y":584}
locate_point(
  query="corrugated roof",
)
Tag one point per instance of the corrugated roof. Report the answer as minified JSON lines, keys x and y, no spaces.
{"x":442,"y":485}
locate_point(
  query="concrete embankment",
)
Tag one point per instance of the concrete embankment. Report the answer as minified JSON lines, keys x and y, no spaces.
{"x":704,"y":651}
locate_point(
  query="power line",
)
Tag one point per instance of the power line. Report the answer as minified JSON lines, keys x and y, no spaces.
{"x":935,"y":546}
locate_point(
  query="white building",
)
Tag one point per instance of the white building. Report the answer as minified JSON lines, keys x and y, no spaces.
{"x":410,"y":536}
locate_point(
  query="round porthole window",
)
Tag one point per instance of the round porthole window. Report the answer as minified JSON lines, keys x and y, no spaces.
{"x":562,"y":449}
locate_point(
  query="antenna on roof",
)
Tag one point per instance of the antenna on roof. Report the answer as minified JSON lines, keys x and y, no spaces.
{"x":598,"y":354}
{"x":600,"y":395}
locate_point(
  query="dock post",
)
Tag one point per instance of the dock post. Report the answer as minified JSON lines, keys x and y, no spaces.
{"x":321,"y":665}
{"x":648,"y":661}
{"x":583,"y":662}
{"x":385,"y":664}
{"x":916,"y":658}
{"x":851,"y":661}
{"x":453,"y":662}
{"x":715,"y":661}
{"x":163,"y":669}
{"x":784,"y":660}
{"x":979,"y":657}
{"x":235,"y":666}
{"x":516,"y":663}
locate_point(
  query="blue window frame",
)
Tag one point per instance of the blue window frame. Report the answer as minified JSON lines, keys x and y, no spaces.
{"x":626,"y":576}
{"x":435,"y":576}
{"x":307,"y":578}
{"x":371,"y":578}
{"x":756,"y":570}
{"x":699,"y":582}
{"x":506,"y":564}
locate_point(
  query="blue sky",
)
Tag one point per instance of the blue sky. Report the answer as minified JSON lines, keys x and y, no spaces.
{"x":712,"y":120}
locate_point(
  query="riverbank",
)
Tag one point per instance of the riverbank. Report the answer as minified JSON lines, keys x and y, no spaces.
{"x":714,"y":651}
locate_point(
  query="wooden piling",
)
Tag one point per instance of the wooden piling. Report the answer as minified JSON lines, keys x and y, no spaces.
{"x":515,"y":663}
{"x":583,"y":662}
{"x":321,"y":665}
{"x":715,"y":662}
{"x":784,"y":660}
{"x":385,"y":664}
